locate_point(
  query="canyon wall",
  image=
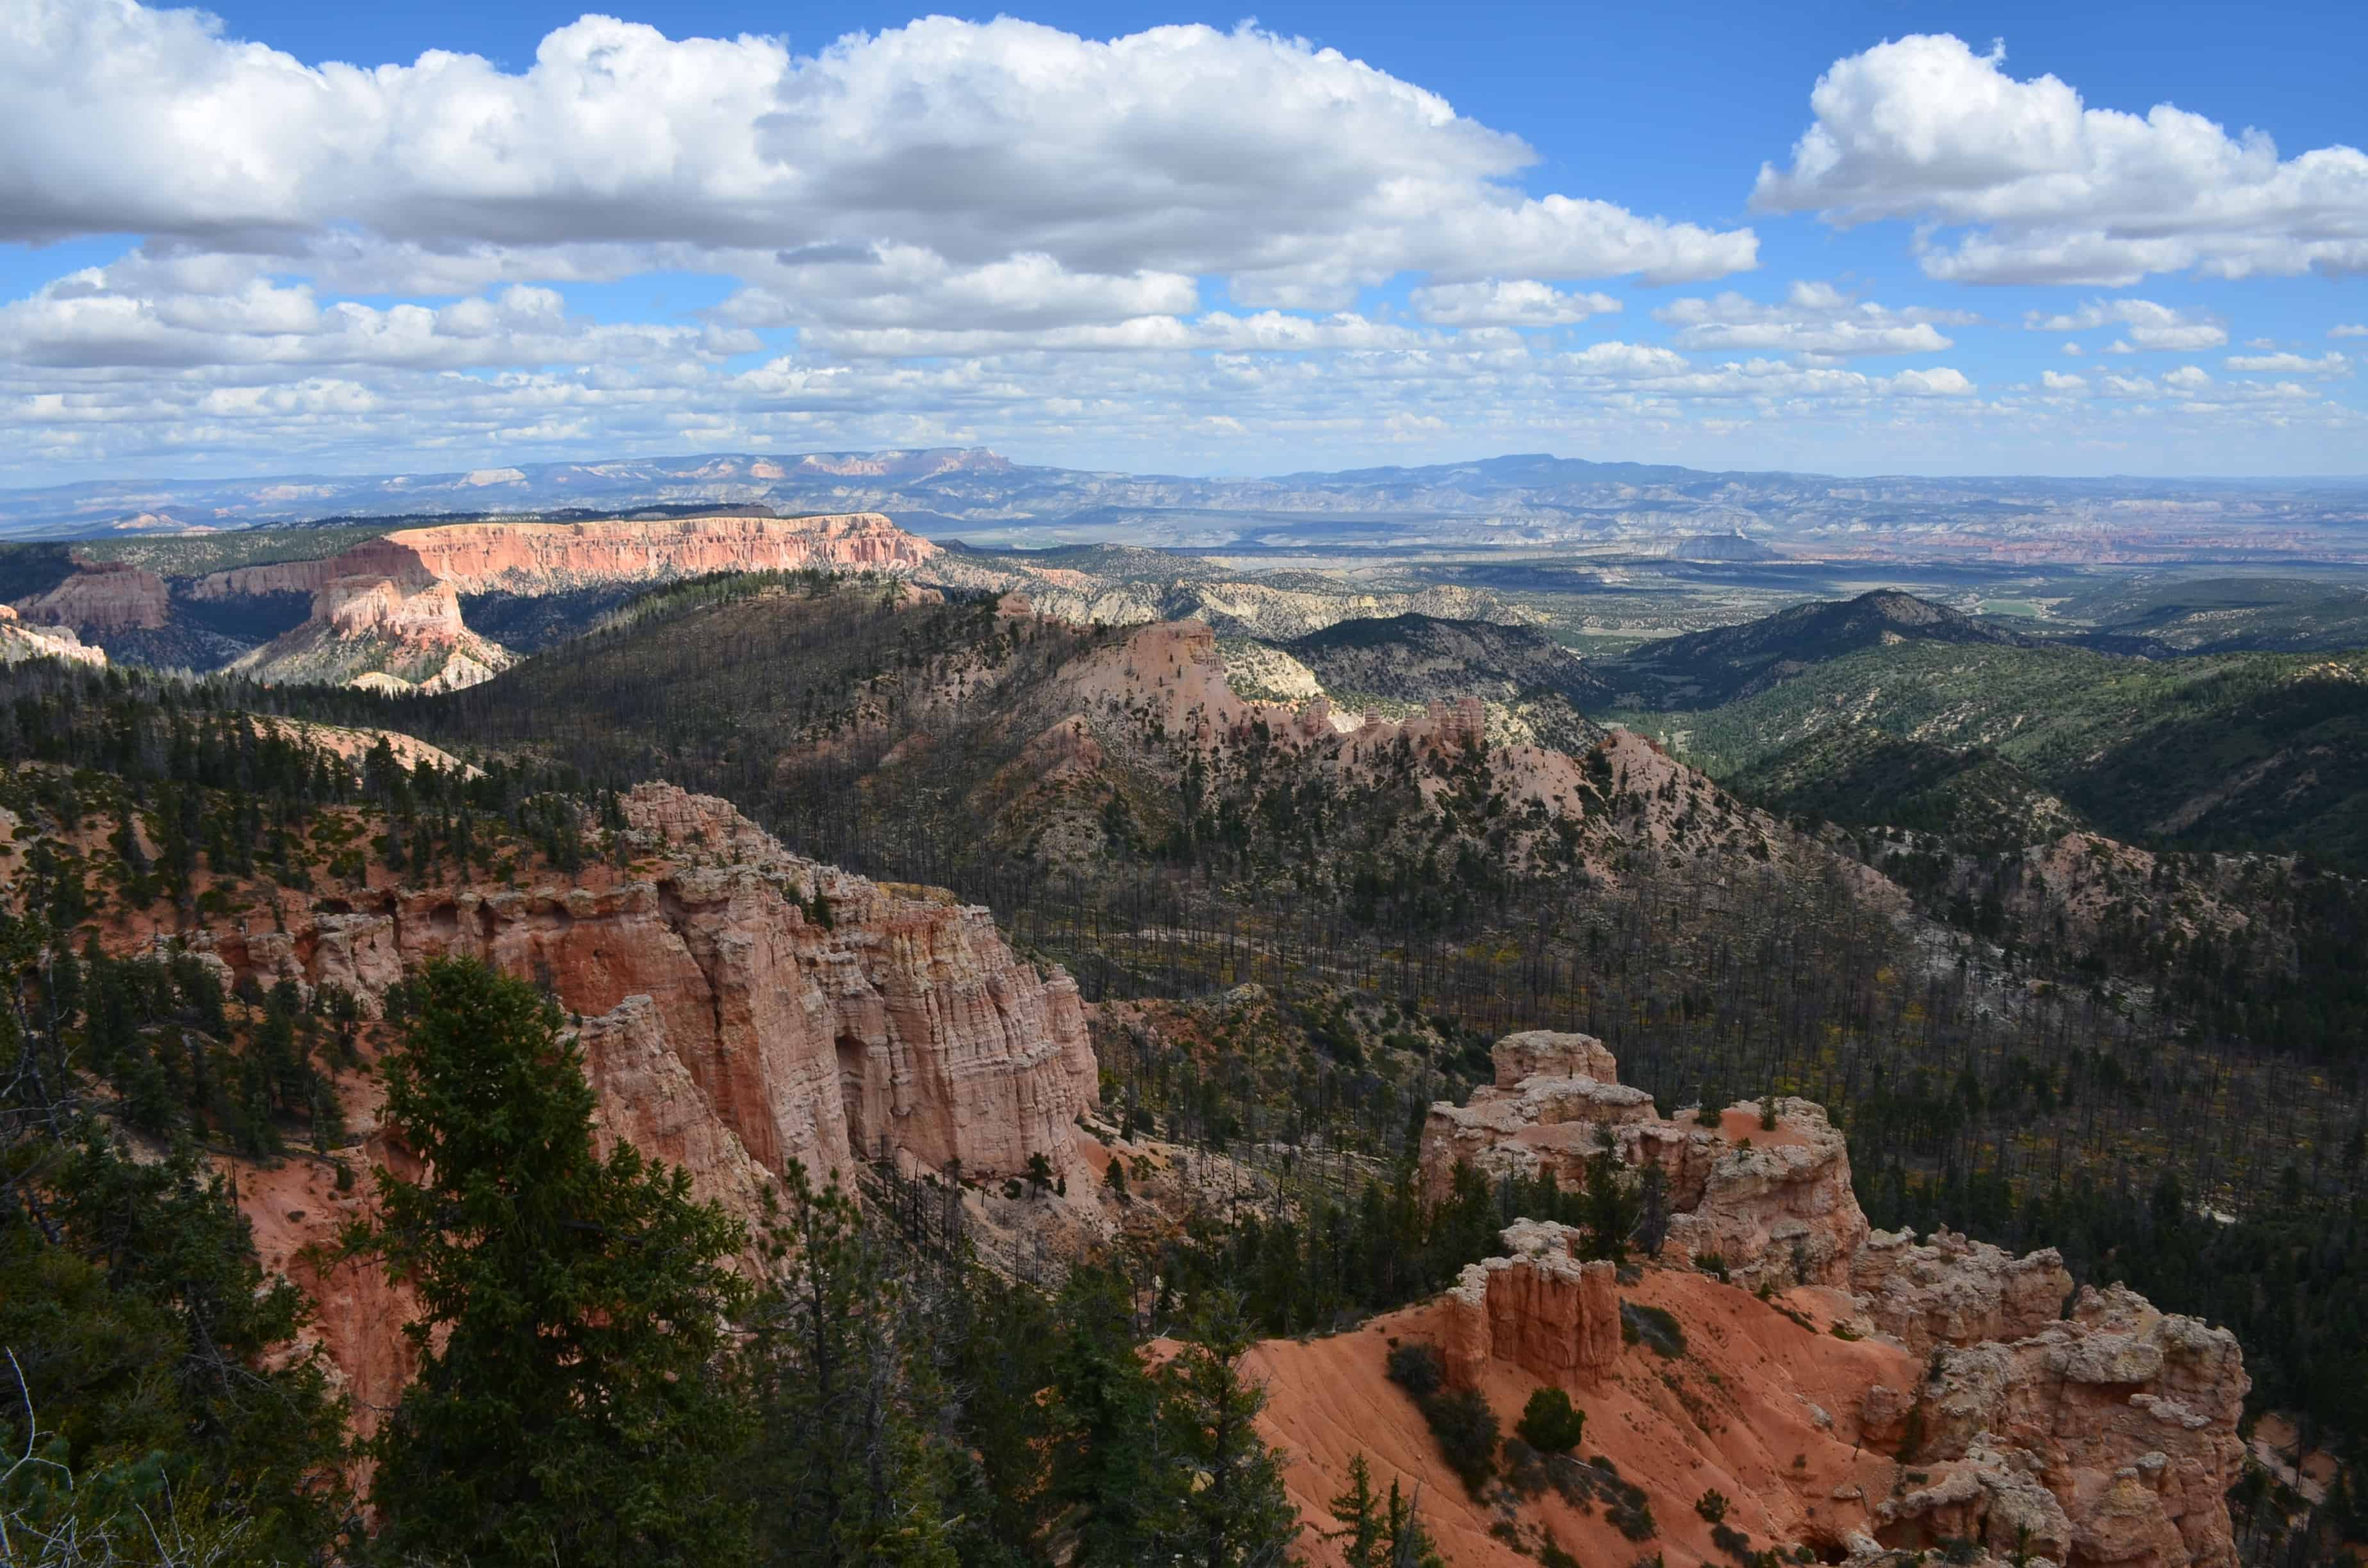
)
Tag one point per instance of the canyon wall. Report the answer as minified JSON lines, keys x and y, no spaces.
{"x":20,"y":640}
{"x":902,"y":1027}
{"x":108,"y":595}
{"x":737,"y":1007}
{"x":386,"y":613}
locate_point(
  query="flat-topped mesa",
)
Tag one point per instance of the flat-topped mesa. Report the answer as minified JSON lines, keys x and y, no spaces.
{"x":549,"y":558}
{"x":103,"y":595}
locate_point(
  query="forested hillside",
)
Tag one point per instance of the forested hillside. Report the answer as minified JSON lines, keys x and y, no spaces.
{"x":2106,"y":1090}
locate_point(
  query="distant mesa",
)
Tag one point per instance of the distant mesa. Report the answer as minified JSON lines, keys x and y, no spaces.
{"x":387,"y":612}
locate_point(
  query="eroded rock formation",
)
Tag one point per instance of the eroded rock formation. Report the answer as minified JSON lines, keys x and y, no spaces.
{"x":1967,"y":1408}
{"x":1955,"y":1291}
{"x":19,"y":640}
{"x":1770,"y":1204}
{"x":1541,"y":1307}
{"x":726,"y":1015}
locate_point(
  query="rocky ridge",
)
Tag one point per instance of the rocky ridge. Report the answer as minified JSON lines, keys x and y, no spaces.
{"x":532,"y":558}
{"x":20,"y":640}
{"x":2027,"y":1421}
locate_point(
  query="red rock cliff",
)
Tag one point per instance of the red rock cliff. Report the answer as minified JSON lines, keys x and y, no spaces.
{"x":546,"y":558}
{"x":107,"y":596}
{"x":723,"y":1029}
{"x":906,"y":1025}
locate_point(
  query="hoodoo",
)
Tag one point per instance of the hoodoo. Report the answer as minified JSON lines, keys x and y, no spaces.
{"x":1847,"y":1391}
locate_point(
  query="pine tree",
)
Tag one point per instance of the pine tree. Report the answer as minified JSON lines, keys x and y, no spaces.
{"x":1106,"y":1443}
{"x":1406,"y":1544}
{"x":844,"y":1469}
{"x":1234,"y":1513}
{"x":572,"y":1308}
{"x":1359,"y":1513}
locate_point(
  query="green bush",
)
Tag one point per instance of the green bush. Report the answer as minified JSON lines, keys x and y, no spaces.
{"x":1419,"y":1370}
{"x":1550,"y":1423}
{"x":1654,"y":1326}
{"x":1466,"y":1430}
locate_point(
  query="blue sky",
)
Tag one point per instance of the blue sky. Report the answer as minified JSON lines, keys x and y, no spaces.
{"x":1853,"y":237}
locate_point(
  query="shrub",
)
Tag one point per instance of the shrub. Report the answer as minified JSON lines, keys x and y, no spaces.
{"x":1417,"y":1369}
{"x":1550,"y":1423}
{"x":1731,"y":1541}
{"x":1466,"y":1430}
{"x":1712,"y":1507}
{"x":1654,"y":1327}
{"x":1634,"y":1515}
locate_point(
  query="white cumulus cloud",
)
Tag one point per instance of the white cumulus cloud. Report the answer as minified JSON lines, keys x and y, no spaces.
{"x":2150,"y":325}
{"x":1941,"y":383}
{"x":1499,"y":302}
{"x":2327,"y":365}
{"x":1295,"y":172}
{"x":2048,"y":189}
{"x":1814,"y":320}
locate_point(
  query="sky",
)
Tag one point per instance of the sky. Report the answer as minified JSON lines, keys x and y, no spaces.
{"x":1840,"y":235}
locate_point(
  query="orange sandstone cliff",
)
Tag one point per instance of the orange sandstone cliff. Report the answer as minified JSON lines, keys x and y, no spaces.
{"x":1871,"y":1399}
{"x":547,"y":558}
{"x":386,"y":613}
{"x":725,"y":1028}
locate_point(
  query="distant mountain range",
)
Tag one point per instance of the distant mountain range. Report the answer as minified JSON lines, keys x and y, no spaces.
{"x":1527,"y":502}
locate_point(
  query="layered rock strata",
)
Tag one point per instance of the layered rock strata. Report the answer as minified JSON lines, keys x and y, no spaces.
{"x":1541,"y":1308}
{"x":19,"y":642}
{"x":102,"y":597}
{"x":728,"y":1028}
{"x":386,"y":613}
{"x":550,"y":558}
